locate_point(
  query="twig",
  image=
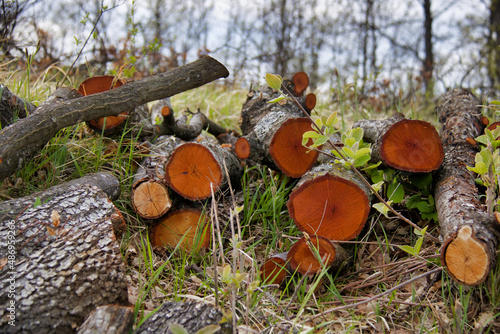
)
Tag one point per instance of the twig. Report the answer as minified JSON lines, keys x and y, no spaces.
{"x":355,"y":170}
{"x":378,"y":296}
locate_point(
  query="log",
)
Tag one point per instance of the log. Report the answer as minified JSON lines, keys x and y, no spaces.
{"x":190,"y":315}
{"x":108,"y":319}
{"x":150,"y":195}
{"x":330,"y":201}
{"x":275,"y":269}
{"x":63,"y":261}
{"x":195,"y":167}
{"x":469,"y":242}
{"x":404,"y":144}
{"x":189,"y":228}
{"x":300,"y":82}
{"x":12,"y":107}
{"x":24,"y":139}
{"x":99,"y":84}
{"x":302,"y":259}
{"x":104,"y":181}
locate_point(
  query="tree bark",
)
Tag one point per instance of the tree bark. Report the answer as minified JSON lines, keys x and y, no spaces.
{"x":22,"y":140}
{"x":60,"y":267}
{"x":469,"y":244}
{"x":12,"y":107}
{"x":109,"y":319}
{"x":190,"y":315}
{"x":106,"y":182}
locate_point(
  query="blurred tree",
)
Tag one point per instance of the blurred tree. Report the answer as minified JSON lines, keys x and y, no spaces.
{"x":493,"y":44}
{"x":11,"y":14}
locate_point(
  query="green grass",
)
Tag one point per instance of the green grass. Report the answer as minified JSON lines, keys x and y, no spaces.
{"x":260,"y":202}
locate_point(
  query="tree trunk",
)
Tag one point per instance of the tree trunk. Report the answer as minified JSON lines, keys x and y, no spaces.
{"x":22,"y":140}
{"x":109,"y":319}
{"x":428,"y":64}
{"x":190,"y":315}
{"x":62,"y":261}
{"x":404,"y":144}
{"x":195,"y":167}
{"x":330,"y":201}
{"x":469,"y":244}
{"x":12,"y":107}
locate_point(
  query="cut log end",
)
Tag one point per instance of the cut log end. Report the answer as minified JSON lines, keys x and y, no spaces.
{"x":329,"y":206}
{"x":287,"y":151}
{"x":242,"y":148}
{"x":274,"y":271}
{"x":301,"y":82}
{"x":151,"y":200}
{"x":412,"y":145}
{"x":466,"y":258}
{"x":310,"y":102}
{"x":187,"y":228}
{"x":191,"y":170}
{"x":302,"y":258}
{"x":99,"y":84}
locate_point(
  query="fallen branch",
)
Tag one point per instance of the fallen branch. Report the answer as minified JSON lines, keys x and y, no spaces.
{"x":469,"y":243}
{"x":22,"y":140}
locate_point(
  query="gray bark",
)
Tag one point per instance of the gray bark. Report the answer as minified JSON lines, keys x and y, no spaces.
{"x":106,"y":182}
{"x":56,"y":274}
{"x":109,"y":319}
{"x":457,"y":197}
{"x":190,"y":315}
{"x":12,"y":107}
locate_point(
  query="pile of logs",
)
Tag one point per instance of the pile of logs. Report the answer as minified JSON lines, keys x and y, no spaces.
{"x":67,"y":256}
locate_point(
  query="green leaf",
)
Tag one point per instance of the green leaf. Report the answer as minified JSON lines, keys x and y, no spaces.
{"x":319,"y":123}
{"x":425,"y":207}
{"x":407,"y":249}
{"x":481,"y":168}
{"x":421,"y":180}
{"x":482,"y":139}
{"x":378,"y":186}
{"x":382,"y":208}
{"x":486,"y":156}
{"x":311,"y":134}
{"x":418,"y":245}
{"x":495,"y":102}
{"x":276,"y":100}
{"x":361,"y":161}
{"x":420,"y":232}
{"x":38,"y":201}
{"x":332,"y":119}
{"x":348,"y":151}
{"x":274,"y":81}
{"x":395,"y":192}
{"x":350,"y":141}
{"x":209,"y":329}
{"x":178,"y":329}
{"x":413,"y":201}
{"x":357,"y":133}
{"x":361,"y":152}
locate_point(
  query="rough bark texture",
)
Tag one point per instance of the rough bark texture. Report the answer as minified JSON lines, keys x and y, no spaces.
{"x":22,"y":140}
{"x":109,"y":319}
{"x":12,"y":107}
{"x":190,"y":315}
{"x":106,"y":182}
{"x":457,"y":198}
{"x":61,"y":272}
{"x":257,"y":106}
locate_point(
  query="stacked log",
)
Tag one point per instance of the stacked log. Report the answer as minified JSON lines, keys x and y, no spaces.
{"x":404,"y":144}
{"x":273,"y":134}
